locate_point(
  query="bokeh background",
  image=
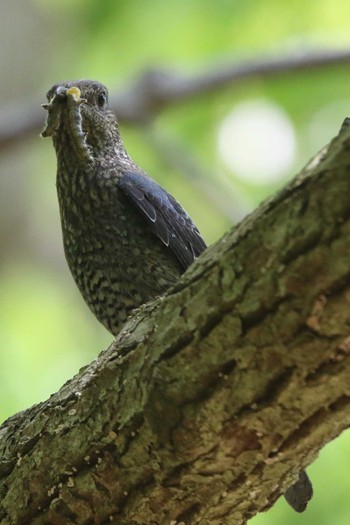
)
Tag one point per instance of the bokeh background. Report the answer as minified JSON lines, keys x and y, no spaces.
{"x":219,"y":153}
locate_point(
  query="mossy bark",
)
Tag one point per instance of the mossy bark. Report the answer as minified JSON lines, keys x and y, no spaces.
{"x":212,"y":399}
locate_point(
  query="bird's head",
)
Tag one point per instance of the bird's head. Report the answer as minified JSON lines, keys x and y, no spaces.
{"x":78,"y":112}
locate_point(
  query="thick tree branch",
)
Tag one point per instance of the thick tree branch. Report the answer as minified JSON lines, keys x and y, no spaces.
{"x":211,"y":399}
{"x":156,"y":89}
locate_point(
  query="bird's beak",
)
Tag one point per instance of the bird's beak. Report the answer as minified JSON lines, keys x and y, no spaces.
{"x":61,"y":93}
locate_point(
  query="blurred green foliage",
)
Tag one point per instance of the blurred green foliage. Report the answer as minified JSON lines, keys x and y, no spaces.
{"x":46,"y":331}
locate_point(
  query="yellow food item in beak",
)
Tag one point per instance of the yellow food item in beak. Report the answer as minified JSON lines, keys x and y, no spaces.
{"x":74,"y":91}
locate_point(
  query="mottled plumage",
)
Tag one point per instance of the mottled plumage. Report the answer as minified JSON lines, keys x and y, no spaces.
{"x":125,"y":238}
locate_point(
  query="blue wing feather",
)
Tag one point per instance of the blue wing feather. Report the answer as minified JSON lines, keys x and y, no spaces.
{"x":164,"y":215}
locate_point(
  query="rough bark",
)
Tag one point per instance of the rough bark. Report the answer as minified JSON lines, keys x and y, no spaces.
{"x":210,"y":400}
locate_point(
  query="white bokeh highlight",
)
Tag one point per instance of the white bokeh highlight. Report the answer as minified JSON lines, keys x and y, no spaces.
{"x":257,"y":141}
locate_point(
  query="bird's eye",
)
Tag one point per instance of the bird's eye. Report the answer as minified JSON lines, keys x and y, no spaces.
{"x":102,"y":100}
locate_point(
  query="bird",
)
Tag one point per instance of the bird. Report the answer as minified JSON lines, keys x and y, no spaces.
{"x":126,"y":239}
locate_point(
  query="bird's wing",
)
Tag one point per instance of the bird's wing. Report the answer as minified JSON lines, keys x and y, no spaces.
{"x":164,"y":215}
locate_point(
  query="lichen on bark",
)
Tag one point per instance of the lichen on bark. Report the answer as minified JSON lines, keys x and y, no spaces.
{"x":211,"y":399}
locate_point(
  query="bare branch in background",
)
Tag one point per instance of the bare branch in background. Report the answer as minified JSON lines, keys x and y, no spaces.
{"x":156,"y":89}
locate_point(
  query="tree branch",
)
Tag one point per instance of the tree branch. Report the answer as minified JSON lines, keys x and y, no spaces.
{"x":211,"y":399}
{"x":157,"y":89}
